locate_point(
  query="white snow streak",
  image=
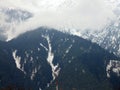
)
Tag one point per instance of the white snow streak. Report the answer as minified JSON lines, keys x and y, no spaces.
{"x":43,"y":46}
{"x":33,"y":73}
{"x":55,"y":68}
{"x":17,"y":60}
{"x":67,"y":51}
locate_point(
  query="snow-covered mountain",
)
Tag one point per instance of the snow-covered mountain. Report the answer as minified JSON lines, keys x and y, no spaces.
{"x":108,"y":37}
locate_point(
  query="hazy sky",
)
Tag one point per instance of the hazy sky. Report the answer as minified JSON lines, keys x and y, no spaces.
{"x":77,"y":14}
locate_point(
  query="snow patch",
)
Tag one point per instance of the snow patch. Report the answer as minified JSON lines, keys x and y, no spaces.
{"x":83,"y":71}
{"x":31,"y":51}
{"x":31,"y":59}
{"x":40,"y":89}
{"x":27,"y":55}
{"x":17,"y":60}
{"x":43,"y":46}
{"x":67,"y":51}
{"x":113,"y":66}
{"x":69,"y":61}
{"x":33,"y":73}
{"x":38,"y":49}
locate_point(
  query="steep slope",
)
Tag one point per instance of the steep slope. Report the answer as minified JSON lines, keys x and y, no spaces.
{"x":108,"y":38}
{"x":46,"y":56}
{"x":10,"y":76}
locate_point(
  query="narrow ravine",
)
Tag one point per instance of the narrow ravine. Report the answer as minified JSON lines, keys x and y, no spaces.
{"x":50,"y":58}
{"x":17,"y":61}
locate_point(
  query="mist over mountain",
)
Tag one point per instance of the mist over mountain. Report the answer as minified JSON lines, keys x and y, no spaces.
{"x":60,"y":44}
{"x":59,"y":14}
{"x":10,"y":19}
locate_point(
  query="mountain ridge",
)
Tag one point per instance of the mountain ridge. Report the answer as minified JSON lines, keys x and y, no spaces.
{"x":74,"y":57}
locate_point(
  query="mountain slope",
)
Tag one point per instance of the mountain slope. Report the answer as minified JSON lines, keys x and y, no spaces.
{"x":46,"y":56}
{"x":10,"y":76}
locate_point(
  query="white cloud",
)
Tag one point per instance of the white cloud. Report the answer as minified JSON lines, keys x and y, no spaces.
{"x":78,"y":14}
